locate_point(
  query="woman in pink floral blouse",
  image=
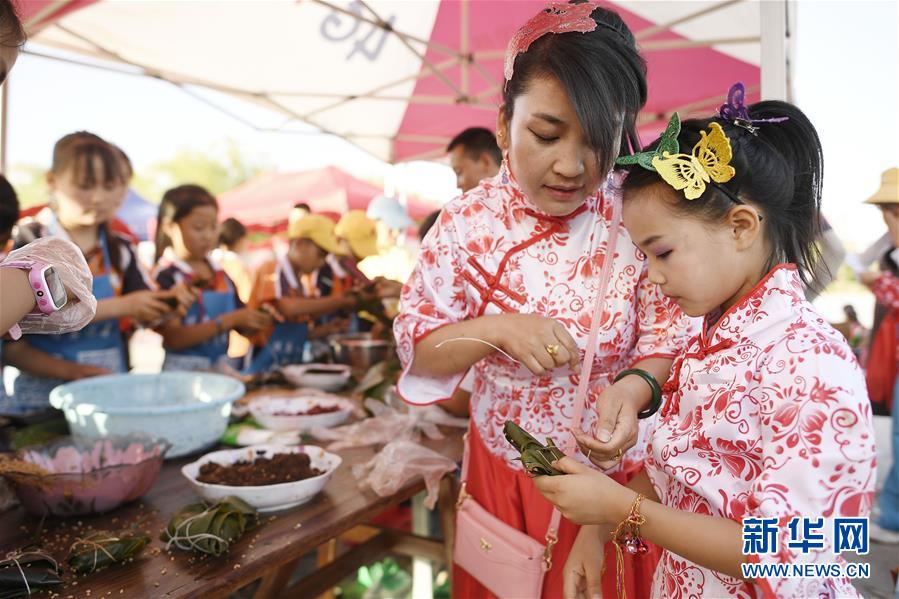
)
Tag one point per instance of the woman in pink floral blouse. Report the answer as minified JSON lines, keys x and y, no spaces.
{"x":515,"y":262}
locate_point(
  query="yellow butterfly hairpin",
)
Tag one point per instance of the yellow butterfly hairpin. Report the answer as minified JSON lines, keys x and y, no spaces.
{"x":710,"y":160}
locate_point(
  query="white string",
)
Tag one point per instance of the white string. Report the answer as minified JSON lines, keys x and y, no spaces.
{"x":14,"y":556}
{"x":96,"y":545}
{"x":192,"y":539}
{"x":479,"y":341}
{"x":22,"y":572}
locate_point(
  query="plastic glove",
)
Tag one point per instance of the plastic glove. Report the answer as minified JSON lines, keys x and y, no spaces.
{"x":73,"y":271}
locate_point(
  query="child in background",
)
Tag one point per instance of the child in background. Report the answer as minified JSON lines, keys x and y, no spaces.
{"x":230,"y":255}
{"x":84,"y":182}
{"x":287,"y":284}
{"x":9,"y":214}
{"x":187,"y":233}
{"x":766,"y":414}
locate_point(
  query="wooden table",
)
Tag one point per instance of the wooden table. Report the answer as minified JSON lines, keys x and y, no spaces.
{"x":268,"y":552}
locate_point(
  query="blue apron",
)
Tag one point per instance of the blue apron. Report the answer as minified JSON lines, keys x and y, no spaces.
{"x":99,"y":343}
{"x":284,"y":347}
{"x":204,"y":356}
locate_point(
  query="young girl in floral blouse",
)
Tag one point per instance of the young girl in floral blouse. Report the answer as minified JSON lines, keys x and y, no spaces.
{"x":766,"y":414}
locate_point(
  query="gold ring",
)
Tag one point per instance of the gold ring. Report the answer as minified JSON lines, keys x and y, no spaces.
{"x":552,"y":349}
{"x":589,"y":451}
{"x":618,"y":455}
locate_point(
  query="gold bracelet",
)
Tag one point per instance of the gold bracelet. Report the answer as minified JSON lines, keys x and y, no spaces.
{"x":627,"y":538}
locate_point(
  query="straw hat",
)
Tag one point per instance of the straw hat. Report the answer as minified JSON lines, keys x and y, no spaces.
{"x":889,"y":188}
{"x":360,"y":232}
{"x":319,"y":229}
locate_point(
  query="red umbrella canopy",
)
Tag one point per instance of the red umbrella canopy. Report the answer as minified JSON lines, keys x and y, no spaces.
{"x":266,"y":200}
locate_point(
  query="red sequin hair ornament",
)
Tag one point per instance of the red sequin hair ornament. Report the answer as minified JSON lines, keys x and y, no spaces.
{"x":558,"y":17}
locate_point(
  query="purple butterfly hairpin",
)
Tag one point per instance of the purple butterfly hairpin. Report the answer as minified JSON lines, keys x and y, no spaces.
{"x":734,"y":110}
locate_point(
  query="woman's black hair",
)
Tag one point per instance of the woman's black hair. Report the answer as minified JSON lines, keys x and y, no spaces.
{"x":12,"y":33}
{"x":231,"y":232}
{"x":176,"y":204}
{"x":778,"y":170}
{"x":603,"y":74}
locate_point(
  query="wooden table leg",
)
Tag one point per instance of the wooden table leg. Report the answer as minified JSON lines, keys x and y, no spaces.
{"x":275,"y":582}
{"x":446,"y":506}
{"x":326,"y":555}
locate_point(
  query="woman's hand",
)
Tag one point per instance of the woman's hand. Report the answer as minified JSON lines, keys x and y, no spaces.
{"x":583,"y":569}
{"x":538,"y":342}
{"x":616,"y":426}
{"x":584,"y":495}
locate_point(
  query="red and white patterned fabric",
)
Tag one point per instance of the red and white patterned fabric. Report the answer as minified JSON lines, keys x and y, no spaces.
{"x":765,"y":415}
{"x":492,"y":251}
{"x":886,"y":290}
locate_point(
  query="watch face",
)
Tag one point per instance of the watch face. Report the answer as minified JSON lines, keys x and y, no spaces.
{"x":57,"y":290}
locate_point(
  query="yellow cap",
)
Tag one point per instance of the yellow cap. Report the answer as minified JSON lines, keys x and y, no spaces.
{"x":318,"y":229}
{"x":360,"y":232}
{"x":889,"y":188}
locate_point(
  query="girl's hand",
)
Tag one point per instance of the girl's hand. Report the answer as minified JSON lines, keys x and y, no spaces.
{"x":272,"y":310}
{"x":75,"y":371}
{"x":585,"y":496}
{"x":334,"y":326}
{"x":538,"y":342}
{"x":186,"y":296}
{"x":616,"y":427}
{"x":868,"y":278}
{"x":388,"y":288}
{"x":147,"y":306}
{"x":249,"y":320}
{"x":583,"y":569}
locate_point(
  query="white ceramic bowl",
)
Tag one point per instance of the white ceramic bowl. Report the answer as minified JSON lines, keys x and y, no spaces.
{"x":188,"y":409}
{"x":267,"y":498}
{"x":264,"y":410}
{"x":336,"y":377}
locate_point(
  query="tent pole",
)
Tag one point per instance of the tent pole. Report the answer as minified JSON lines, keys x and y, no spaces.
{"x":463,"y":47}
{"x":773,"y":15}
{"x":660,"y":27}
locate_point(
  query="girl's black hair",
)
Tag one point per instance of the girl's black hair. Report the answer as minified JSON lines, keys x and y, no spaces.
{"x":78,"y":152}
{"x":603,"y":75}
{"x":176,"y":204}
{"x":778,"y":170}
{"x":9,"y":206}
{"x":231,"y":232}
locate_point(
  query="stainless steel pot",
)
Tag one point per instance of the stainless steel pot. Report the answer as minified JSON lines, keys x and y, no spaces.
{"x":360,"y":351}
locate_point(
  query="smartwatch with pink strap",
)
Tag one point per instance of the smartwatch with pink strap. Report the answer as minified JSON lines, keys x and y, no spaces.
{"x":49,"y":292}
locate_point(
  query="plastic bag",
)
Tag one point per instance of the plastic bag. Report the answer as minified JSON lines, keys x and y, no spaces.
{"x":401,"y":461}
{"x":73,"y":271}
{"x":388,"y":424}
